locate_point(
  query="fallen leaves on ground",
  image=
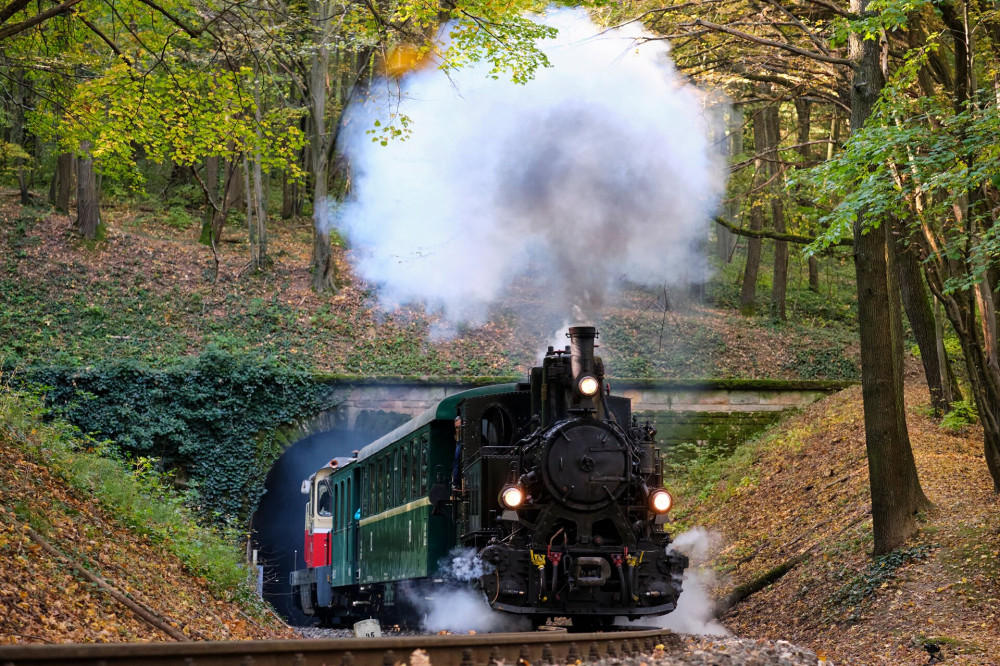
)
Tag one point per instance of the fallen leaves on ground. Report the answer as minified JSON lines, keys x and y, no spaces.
{"x":45,"y":601}
{"x":808,"y":492}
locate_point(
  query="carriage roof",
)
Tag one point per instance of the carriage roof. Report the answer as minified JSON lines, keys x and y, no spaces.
{"x":445,"y":410}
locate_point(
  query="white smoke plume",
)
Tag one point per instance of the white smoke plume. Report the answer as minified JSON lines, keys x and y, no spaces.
{"x":457,"y":607}
{"x":597,"y":171}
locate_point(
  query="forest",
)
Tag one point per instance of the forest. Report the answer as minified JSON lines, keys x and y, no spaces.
{"x":861,"y":131}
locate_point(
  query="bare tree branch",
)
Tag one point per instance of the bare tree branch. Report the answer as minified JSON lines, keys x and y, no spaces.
{"x":114,"y":47}
{"x":770,"y":42}
{"x":41,"y":17}
{"x":773,"y":235}
{"x":12,"y":8}
{"x":193,"y":32}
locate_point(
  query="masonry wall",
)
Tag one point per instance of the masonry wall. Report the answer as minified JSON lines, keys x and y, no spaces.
{"x":683,"y":410}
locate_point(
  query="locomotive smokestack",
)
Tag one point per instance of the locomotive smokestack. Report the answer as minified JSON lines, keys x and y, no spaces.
{"x":582,"y":351}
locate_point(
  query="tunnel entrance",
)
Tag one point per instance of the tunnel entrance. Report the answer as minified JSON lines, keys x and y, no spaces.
{"x":278,"y":525}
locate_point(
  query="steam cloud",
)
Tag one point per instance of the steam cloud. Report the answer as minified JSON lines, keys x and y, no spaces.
{"x":461,"y":609}
{"x":695,"y":612}
{"x":598,"y":170}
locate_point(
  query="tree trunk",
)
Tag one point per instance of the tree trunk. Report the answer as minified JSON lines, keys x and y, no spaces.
{"x":983,"y":379}
{"x":834,"y":135}
{"x":748,"y":293}
{"x":895,"y":488}
{"x":261,"y":258}
{"x":230,"y":182}
{"x":211,"y":199}
{"x":234,"y":188}
{"x":803,"y":113}
{"x":949,"y":382}
{"x":289,"y":193}
{"x":257,"y":204}
{"x":323,"y":265}
{"x":919,"y":314}
{"x":62,"y":182}
{"x":780,"y":276}
{"x":17,"y":133}
{"x":88,"y":212}
{"x":726,"y":239}
{"x":256,"y":214}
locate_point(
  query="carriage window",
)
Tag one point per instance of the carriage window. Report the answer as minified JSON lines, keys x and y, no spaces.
{"x":496,"y":428}
{"x":415,"y":468}
{"x":424,"y":462}
{"x":387,"y":481}
{"x":336,"y":506}
{"x":404,"y":477}
{"x":324,"y":505}
{"x":364,"y":489}
{"x":350,"y":504}
{"x":380,"y":485}
{"x":371,"y":489}
{"x":397,"y":484}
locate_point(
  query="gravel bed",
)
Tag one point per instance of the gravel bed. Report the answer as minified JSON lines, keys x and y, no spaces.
{"x":317,"y":632}
{"x":689,"y":650}
{"x":719,"y":651}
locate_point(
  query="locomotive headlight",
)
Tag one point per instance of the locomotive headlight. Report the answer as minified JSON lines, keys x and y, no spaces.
{"x":511,"y":497}
{"x":589,"y":386}
{"x":660,"y":501}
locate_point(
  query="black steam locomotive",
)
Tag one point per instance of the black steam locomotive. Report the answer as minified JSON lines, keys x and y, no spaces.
{"x":552,"y":484}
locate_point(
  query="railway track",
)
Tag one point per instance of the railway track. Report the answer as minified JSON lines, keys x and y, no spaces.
{"x":541,"y":647}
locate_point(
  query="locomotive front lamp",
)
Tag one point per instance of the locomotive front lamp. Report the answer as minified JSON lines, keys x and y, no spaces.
{"x":589,"y":386}
{"x":660,"y":501}
{"x":512,"y":497}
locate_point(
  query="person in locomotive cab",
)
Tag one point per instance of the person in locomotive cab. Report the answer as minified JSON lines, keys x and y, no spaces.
{"x":324,"y":506}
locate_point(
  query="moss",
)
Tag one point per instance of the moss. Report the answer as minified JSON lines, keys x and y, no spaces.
{"x":734,"y":384}
{"x":413,"y":380}
{"x":616,"y":382}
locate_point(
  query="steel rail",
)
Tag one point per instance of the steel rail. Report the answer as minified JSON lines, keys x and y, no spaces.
{"x":543,"y":647}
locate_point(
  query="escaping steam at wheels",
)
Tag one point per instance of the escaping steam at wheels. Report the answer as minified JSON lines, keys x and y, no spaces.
{"x":551,"y":485}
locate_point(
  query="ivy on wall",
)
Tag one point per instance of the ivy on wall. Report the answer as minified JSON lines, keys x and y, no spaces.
{"x":212,"y":419}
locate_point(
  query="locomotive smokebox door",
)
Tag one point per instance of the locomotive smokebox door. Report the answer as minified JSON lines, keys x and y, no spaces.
{"x":590,"y":477}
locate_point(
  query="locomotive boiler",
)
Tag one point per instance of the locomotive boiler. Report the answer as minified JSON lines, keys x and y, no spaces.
{"x":552,"y":483}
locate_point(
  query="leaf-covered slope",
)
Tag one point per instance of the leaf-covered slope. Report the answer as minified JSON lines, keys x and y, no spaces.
{"x":799,"y":496}
{"x":149,"y":292}
{"x":46,"y":599}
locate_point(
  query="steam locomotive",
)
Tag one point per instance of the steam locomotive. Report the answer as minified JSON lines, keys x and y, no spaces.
{"x":552,"y":484}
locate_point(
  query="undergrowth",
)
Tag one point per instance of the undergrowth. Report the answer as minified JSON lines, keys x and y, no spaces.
{"x":961,"y":415}
{"x":712,"y":475}
{"x":878,"y":574}
{"x":215,"y":418}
